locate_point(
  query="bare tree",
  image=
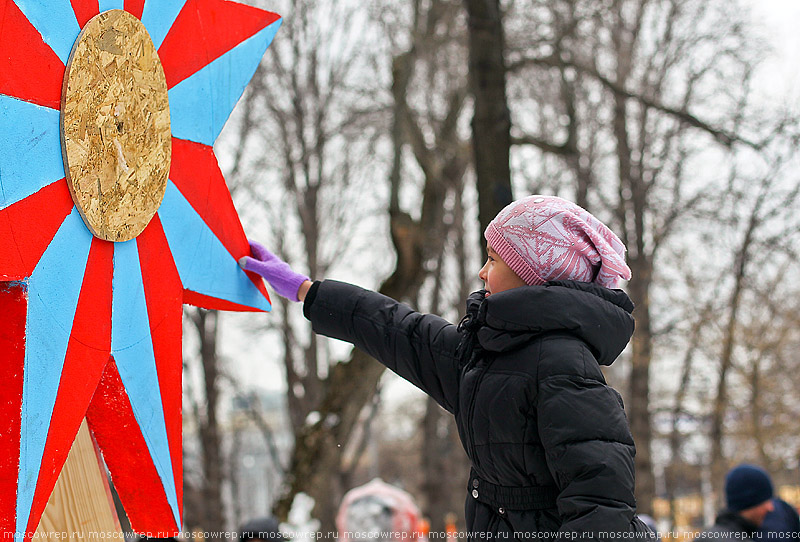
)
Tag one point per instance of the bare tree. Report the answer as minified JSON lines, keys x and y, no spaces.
{"x":491,"y":122}
{"x":415,"y":241}
{"x":307,"y":160}
{"x":632,"y":92}
{"x":620,"y":105}
{"x":324,"y":120}
{"x":444,"y":464}
{"x":206,"y":511}
{"x":767,"y":221}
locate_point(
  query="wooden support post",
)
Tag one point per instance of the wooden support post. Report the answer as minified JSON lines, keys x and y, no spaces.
{"x":81,"y":502}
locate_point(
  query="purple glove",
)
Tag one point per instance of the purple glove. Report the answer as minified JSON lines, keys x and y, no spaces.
{"x":280,"y":276}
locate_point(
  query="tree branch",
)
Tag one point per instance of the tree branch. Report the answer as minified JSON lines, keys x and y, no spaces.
{"x":721,"y":136}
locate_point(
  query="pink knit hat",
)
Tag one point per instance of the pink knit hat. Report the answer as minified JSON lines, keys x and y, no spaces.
{"x":544,"y":238}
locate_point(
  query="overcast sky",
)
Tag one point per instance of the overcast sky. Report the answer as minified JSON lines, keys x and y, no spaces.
{"x":779,"y":79}
{"x":782,"y":21}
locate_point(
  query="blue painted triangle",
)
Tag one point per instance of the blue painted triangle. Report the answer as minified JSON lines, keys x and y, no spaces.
{"x":30,"y":149}
{"x":53,"y":291}
{"x":204,"y":264}
{"x":200,"y":104}
{"x":132,"y":348}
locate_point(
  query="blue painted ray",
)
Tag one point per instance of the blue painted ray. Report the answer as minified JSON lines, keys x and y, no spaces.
{"x":106,"y":5}
{"x":132,"y":349}
{"x":200,"y":104}
{"x":53,"y":292}
{"x":30,"y":149}
{"x":204,"y":264}
{"x":158,"y":16}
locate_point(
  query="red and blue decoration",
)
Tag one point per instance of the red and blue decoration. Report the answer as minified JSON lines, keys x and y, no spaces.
{"x":92,"y":328}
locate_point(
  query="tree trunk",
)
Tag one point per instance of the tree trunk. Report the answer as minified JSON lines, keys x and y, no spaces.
{"x":491,"y":123}
{"x":317,"y":458}
{"x":717,"y":432}
{"x":445,"y":466}
{"x":639,"y":394}
{"x":434,"y":493}
{"x":208,"y":426}
{"x":639,"y":289}
{"x":678,"y":409}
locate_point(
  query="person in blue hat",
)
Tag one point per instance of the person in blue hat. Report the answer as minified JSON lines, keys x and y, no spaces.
{"x":748,"y":498}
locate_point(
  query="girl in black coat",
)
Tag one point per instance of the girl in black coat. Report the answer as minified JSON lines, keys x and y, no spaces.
{"x":551,"y":451}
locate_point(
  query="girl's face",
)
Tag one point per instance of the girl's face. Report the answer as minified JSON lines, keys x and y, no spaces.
{"x":496,"y":275}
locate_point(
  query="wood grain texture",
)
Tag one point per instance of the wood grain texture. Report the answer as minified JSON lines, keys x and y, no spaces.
{"x":81,"y":502}
{"x":115,"y":126}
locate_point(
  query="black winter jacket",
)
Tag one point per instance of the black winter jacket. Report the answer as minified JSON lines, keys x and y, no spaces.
{"x":548,"y":439}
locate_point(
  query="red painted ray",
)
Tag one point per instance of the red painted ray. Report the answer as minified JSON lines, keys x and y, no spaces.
{"x":162,"y":290}
{"x":205,"y":30}
{"x":125,"y":452}
{"x":29,"y":69}
{"x":14,"y":300}
{"x":135,"y":7}
{"x":196,"y":175}
{"x":22,"y":240}
{"x":88,"y":352}
{"x":85,"y":10}
{"x":208,"y":302}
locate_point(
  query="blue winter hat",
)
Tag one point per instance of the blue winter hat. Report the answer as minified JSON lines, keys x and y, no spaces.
{"x":747,"y":486}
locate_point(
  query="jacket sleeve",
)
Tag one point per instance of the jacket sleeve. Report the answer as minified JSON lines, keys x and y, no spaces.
{"x":419,"y":347}
{"x":588,"y":446}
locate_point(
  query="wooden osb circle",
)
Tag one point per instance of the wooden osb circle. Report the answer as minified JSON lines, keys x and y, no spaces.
{"x":115,"y":126}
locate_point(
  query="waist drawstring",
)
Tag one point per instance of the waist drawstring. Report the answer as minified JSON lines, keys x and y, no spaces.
{"x":503,"y":498}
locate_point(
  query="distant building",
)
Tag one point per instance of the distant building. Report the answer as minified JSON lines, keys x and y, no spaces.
{"x":257,"y":440}
{"x":260,"y":438}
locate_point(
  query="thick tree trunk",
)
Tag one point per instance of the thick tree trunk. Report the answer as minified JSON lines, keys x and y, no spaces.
{"x":445,"y":465}
{"x":639,"y":387}
{"x":491,"y":124}
{"x":640,"y":262}
{"x":316,"y":462}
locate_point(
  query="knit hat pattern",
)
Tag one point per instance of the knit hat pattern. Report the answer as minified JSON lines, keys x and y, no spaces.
{"x":747,"y":486}
{"x":543,"y":238}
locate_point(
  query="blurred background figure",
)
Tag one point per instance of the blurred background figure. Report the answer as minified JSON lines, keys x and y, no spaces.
{"x":264,"y":528}
{"x":377,"y":511}
{"x":423,"y":530}
{"x":749,"y":498}
{"x":450,"y":525}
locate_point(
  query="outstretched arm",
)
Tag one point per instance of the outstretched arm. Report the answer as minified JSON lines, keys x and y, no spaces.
{"x":419,"y":347}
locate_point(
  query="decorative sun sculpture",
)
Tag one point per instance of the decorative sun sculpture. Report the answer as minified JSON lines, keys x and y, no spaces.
{"x":113,"y":212}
